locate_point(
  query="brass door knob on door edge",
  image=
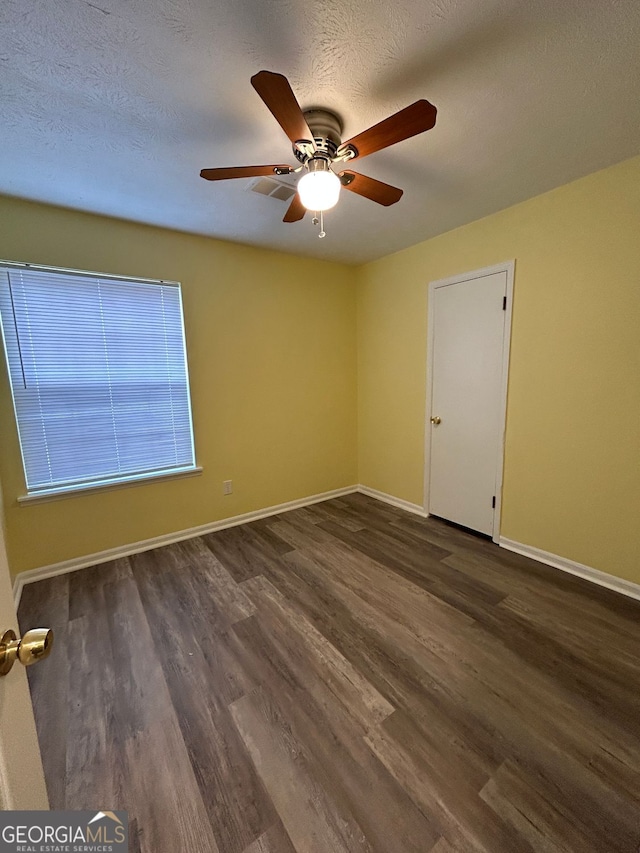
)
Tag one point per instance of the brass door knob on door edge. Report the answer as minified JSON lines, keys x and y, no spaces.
{"x":436,"y":420}
{"x":34,"y":646}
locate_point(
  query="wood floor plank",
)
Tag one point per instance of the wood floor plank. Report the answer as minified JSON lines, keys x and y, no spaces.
{"x":94,"y":757}
{"x":301,"y":530}
{"x":169,"y":558}
{"x":462,"y":816}
{"x":443,"y":846}
{"x":141,"y":697}
{"x":186,"y":618}
{"x":608,"y":817}
{"x":445,"y":755}
{"x":479,"y":564}
{"x":312,"y":820}
{"x":193,"y":659}
{"x":274,"y":840}
{"x":343,"y":677}
{"x":337,"y":512}
{"x":534,"y":816}
{"x":163,"y":792}
{"x":575,"y":623}
{"x":387,"y":541}
{"x":86,"y":587}
{"x":619,"y":771}
{"x":482,"y":656}
{"x":356,"y":694}
{"x":521,"y":739}
{"x":218,"y":584}
{"x":134,"y":837}
{"x":243,"y":551}
{"x":381,"y":547}
{"x":422,"y":567}
{"x":606,"y":684}
{"x":373,"y":511}
{"x":379,"y":593}
{"x":337,"y":755}
{"x":358,"y":630}
{"x":264,"y":538}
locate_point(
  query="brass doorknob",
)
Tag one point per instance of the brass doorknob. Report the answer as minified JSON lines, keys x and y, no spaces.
{"x":34,"y":646}
{"x":436,"y":420}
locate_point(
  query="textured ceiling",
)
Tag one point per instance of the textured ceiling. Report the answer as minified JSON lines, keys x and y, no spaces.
{"x":114,"y":106}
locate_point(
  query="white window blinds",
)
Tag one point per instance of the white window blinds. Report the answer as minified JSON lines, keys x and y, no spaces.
{"x":99,"y":377}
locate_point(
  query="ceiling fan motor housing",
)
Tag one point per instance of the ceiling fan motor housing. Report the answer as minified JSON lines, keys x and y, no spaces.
{"x":326,"y":128}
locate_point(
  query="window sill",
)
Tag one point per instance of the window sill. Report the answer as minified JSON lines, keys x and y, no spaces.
{"x":78,"y":491}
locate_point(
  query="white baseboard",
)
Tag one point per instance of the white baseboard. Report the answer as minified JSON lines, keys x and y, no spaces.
{"x":416,"y":509}
{"x":33,"y":575}
{"x":628,"y":588}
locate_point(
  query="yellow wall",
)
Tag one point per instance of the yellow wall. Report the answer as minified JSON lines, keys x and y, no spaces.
{"x":572,"y":454}
{"x":272,"y":360}
{"x":272,"y":353}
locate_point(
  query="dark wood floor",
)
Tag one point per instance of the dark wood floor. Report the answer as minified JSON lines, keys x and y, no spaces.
{"x":344,"y":677}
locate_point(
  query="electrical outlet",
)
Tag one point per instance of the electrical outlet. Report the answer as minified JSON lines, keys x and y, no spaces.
{"x":227,"y":487}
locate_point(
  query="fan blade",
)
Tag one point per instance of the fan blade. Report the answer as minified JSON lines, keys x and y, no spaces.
{"x":244,"y":172}
{"x":277,"y":94}
{"x":370,"y":188}
{"x":296,"y":210}
{"x":408,"y":122}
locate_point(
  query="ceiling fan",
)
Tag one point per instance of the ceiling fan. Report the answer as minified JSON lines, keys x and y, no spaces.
{"x":316,"y":138}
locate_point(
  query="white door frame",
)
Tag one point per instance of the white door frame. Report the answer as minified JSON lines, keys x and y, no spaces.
{"x":509,"y":268}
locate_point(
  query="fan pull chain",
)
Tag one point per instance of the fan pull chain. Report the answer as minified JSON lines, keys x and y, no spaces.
{"x":320,"y":221}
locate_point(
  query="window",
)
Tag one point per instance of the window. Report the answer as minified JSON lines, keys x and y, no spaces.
{"x":98,"y":372}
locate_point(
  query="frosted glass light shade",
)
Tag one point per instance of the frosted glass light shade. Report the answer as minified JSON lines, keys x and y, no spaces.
{"x":319,"y":190}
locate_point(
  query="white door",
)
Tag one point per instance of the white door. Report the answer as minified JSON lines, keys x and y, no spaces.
{"x":467,"y":402}
{"x":21,"y":778}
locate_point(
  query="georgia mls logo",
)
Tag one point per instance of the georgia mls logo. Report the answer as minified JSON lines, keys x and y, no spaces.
{"x":63,"y":832}
{"x":100,"y":815}
{"x":103,"y":831}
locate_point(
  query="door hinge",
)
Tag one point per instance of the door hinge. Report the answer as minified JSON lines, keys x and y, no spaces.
{"x":493,"y":501}
{"x":504,"y":303}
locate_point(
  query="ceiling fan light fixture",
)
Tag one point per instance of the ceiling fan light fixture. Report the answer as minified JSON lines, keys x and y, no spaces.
{"x":316,"y":138}
{"x":319,"y":188}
